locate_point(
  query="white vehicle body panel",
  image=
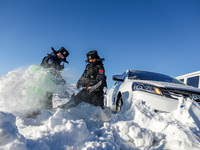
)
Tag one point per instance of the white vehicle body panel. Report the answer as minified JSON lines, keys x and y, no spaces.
{"x":157,"y":102}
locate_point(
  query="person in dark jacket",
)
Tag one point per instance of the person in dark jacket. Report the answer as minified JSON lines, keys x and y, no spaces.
{"x":52,"y":62}
{"x":92,"y":82}
{"x":54,"y":59}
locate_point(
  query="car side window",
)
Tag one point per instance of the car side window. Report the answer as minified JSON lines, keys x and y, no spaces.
{"x":193,"y":81}
{"x":182,"y":80}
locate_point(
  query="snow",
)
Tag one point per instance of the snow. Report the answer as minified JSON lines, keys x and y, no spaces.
{"x":25,"y":125}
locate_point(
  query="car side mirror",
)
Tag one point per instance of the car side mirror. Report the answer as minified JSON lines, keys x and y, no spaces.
{"x":117,"y":78}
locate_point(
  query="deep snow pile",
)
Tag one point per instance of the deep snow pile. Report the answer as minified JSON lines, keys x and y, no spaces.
{"x":89,"y":127}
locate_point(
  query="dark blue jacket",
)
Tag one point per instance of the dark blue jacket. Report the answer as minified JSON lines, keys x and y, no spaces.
{"x":93,"y":74}
{"x":52,"y":61}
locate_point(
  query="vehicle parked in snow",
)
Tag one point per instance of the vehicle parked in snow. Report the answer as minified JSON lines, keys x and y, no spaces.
{"x":191,"y":79}
{"x":160,"y":92}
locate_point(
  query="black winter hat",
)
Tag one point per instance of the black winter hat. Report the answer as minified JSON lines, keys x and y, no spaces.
{"x":92,"y":54}
{"x":63,"y":51}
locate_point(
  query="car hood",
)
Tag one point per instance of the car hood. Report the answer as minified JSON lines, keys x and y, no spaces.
{"x":169,"y":85}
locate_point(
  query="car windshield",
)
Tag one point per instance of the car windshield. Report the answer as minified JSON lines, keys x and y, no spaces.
{"x":144,"y":75}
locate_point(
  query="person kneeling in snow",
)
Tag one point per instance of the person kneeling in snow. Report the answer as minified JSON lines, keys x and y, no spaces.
{"x":52,"y":62}
{"x":92,"y":82}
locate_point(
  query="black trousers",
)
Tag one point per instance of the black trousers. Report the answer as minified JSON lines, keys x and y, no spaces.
{"x":95,"y":98}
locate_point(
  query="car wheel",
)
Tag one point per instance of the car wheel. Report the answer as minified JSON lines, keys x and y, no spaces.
{"x":119,"y":104}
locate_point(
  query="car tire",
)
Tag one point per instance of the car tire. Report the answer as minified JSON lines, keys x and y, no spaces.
{"x":119,"y":104}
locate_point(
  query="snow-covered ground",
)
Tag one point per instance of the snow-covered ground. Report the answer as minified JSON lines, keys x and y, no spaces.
{"x":87,"y":127}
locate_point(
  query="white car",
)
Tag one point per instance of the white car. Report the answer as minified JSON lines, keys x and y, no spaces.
{"x":159,"y":91}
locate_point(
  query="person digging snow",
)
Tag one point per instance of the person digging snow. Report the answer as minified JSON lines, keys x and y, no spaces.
{"x":53,"y":64}
{"x":91,"y":83}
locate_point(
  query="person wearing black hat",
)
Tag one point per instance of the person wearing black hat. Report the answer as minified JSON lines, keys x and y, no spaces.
{"x":54,"y":59}
{"x":52,"y":62}
{"x":92,"y":82}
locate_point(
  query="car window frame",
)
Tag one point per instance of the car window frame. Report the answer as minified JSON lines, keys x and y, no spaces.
{"x":124,"y":75}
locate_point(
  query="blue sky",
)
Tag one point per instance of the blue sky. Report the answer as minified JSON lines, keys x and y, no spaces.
{"x":154,"y":35}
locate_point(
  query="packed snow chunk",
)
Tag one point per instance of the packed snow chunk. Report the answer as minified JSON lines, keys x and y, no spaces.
{"x":100,"y":145}
{"x":58,"y":133}
{"x":89,"y":112}
{"x":75,"y":133}
{"x":38,"y":145}
{"x":141,"y":137}
{"x":10,"y":139}
{"x":178,"y":137}
{"x":129,"y":133}
{"x":194,"y":111}
{"x":56,"y":119}
{"x":104,"y":138}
